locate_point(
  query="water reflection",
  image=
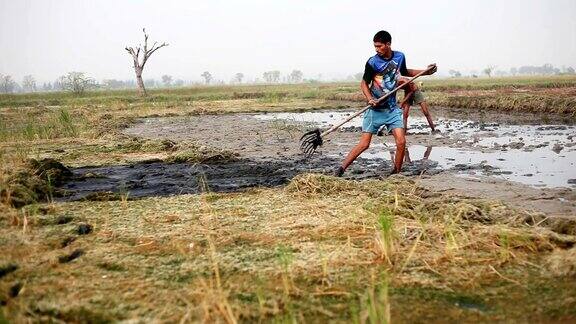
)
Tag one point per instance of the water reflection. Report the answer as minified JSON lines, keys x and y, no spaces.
{"x":407,"y":158}
{"x":540,"y":167}
{"x":537,"y":155}
{"x":424,"y":157}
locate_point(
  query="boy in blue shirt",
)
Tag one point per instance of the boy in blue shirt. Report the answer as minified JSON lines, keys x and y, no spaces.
{"x":380,"y":76}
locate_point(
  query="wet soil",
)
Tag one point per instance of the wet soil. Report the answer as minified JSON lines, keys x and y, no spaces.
{"x":164,"y":179}
{"x":159,"y":178}
{"x":470,"y":156}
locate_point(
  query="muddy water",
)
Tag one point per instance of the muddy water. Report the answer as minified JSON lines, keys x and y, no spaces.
{"x":536,"y":155}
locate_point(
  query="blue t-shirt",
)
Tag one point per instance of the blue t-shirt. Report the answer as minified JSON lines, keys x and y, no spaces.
{"x":382,"y":75}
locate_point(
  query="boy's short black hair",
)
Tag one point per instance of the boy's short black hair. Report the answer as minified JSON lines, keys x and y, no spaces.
{"x":383,"y":37}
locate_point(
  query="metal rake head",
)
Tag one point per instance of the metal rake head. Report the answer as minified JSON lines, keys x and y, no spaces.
{"x":310,"y":141}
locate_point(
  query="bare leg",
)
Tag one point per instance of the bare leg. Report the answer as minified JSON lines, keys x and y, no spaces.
{"x":362,"y":146}
{"x":427,"y":153}
{"x":392,"y":155}
{"x":400,"y":139}
{"x":405,"y":113}
{"x":426,"y":112}
{"x":407,"y":156}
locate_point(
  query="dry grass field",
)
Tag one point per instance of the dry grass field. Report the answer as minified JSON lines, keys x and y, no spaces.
{"x":319,"y":249}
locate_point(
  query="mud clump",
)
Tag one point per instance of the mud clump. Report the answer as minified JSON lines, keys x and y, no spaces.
{"x":353,"y":129}
{"x":84,"y":229}
{"x":7,"y":269}
{"x":35,"y":182}
{"x":64,"y":219}
{"x":516,"y":145}
{"x":70,"y":257}
{"x":50,"y":170}
{"x":15,"y":290}
{"x":557,"y":148}
{"x":54,"y":220}
{"x":67,"y":241}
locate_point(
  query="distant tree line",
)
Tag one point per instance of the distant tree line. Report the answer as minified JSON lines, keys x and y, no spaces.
{"x":526,"y":70}
{"x":546,"y":69}
{"x":79,"y":82}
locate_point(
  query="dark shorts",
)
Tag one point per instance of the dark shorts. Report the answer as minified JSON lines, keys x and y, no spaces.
{"x":418,"y":97}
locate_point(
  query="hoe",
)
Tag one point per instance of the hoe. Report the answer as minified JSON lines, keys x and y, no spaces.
{"x":311,"y":140}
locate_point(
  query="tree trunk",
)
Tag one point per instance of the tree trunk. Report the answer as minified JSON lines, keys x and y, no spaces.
{"x":141,"y":88}
{"x":139,"y":63}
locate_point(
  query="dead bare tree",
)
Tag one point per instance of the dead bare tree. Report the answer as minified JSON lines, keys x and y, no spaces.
{"x":139,"y":63}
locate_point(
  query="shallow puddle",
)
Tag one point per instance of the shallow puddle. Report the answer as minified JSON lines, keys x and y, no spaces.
{"x":551,"y":171}
{"x":536,"y":155}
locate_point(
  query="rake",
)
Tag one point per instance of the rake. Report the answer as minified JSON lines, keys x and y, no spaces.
{"x":311,"y":140}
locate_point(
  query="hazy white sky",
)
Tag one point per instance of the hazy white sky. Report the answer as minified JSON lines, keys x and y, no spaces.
{"x":47,"y":38}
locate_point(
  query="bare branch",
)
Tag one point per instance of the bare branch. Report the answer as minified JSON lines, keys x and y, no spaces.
{"x":154,"y":49}
{"x":145,"y":41}
{"x":146,"y":53}
{"x":134,"y":55}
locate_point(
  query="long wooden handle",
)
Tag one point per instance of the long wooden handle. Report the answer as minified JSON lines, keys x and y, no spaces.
{"x":335,"y":127}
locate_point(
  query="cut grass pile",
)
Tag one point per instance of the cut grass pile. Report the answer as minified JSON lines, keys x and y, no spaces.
{"x":33,"y":182}
{"x":321,"y":249}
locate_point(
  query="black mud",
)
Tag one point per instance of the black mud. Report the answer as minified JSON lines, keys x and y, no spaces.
{"x":165,"y":179}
